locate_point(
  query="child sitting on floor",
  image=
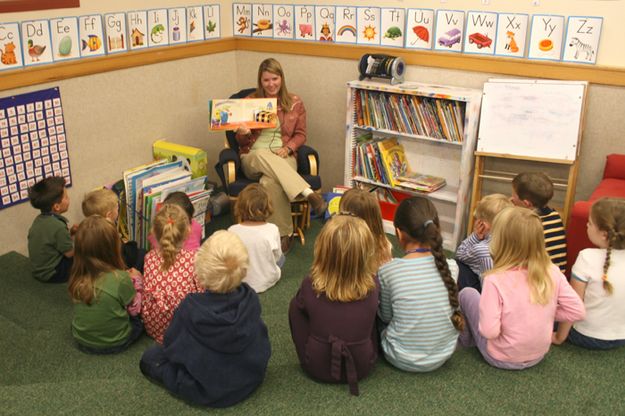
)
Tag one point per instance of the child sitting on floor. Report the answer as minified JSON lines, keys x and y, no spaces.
{"x":332,"y":316}
{"x":598,"y":277}
{"x":101,"y":290}
{"x":194,"y":239}
{"x":512,"y":320}
{"x":50,"y":246}
{"x":365,"y":205}
{"x":216,"y":350}
{"x":419,"y":297}
{"x":262,"y":239}
{"x":534,"y":190}
{"x":169,"y":273}
{"x":473,"y":254}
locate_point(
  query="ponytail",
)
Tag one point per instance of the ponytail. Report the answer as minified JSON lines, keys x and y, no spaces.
{"x":171,"y":227}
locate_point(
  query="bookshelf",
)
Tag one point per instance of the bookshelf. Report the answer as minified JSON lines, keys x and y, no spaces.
{"x":436,"y":126}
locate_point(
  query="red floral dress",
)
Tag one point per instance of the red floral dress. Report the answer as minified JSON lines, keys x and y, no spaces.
{"x":163,"y":291}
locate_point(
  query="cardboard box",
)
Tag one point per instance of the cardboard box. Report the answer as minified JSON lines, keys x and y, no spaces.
{"x":194,"y":157}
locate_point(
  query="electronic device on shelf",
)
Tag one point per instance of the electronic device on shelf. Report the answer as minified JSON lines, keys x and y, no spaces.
{"x":382,"y":66}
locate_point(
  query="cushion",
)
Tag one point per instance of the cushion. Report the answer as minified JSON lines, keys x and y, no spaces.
{"x":609,"y":187}
{"x":614,"y":166}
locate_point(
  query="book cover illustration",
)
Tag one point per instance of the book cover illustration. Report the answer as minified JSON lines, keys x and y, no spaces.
{"x":177,"y":25}
{"x":345,"y":24}
{"x":253,"y":113}
{"x":419,"y":28}
{"x":37,"y":43}
{"x":393,"y":159}
{"x":65,"y":42}
{"x":511,"y":34}
{"x":137,"y":28}
{"x":284,"y":21}
{"x":421,"y":182}
{"x":91,"y":34}
{"x":211,"y":22}
{"x":10,"y":47}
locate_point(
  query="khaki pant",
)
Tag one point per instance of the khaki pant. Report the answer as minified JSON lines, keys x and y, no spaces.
{"x":280,"y":178}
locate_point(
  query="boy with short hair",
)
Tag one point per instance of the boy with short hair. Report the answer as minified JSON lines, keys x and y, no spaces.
{"x":216,"y":349}
{"x":534,"y":190}
{"x":473,"y":254}
{"x":50,"y":246}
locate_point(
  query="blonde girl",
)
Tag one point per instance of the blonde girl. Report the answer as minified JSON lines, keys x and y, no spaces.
{"x":261,"y":238}
{"x":169,"y":273}
{"x":335,"y":307}
{"x":597,"y":276}
{"x":419,"y":296}
{"x":194,"y":237}
{"x":364,"y":204}
{"x":512,"y":321}
{"x":101,"y":290}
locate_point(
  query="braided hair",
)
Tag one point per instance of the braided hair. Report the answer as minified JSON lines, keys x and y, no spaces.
{"x":418,"y":219}
{"x":608,"y":215}
{"x":171,"y":227}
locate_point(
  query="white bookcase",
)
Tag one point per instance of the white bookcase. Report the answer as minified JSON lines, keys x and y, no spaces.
{"x":429,"y":154}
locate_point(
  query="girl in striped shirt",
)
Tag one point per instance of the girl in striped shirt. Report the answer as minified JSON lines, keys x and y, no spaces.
{"x":419,"y":296}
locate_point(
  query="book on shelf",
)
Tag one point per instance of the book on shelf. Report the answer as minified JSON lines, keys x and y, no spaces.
{"x":421,"y":182}
{"x":393,"y":159}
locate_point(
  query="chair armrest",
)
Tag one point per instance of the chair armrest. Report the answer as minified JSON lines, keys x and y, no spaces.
{"x":228,"y":166}
{"x":307,"y":161}
{"x":614,"y":166}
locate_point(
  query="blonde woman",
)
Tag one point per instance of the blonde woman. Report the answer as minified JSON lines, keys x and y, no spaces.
{"x":512,"y":321}
{"x":335,"y":307}
{"x":169,"y":273}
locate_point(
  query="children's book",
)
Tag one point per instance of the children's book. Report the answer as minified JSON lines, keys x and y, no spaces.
{"x":421,"y":182}
{"x":394,"y":159}
{"x":194,"y":157}
{"x":253,"y":113}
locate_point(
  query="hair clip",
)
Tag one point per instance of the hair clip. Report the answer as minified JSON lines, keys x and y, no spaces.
{"x":346,"y":214}
{"x":170,"y":220}
{"x":428,"y":222}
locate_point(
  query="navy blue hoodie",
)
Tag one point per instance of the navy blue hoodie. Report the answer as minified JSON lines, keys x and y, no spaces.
{"x":216,"y":349}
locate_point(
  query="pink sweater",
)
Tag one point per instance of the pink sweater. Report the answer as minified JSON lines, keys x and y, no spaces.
{"x":517,"y":330}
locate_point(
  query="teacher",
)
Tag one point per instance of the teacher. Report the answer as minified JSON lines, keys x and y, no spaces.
{"x":268,"y":155}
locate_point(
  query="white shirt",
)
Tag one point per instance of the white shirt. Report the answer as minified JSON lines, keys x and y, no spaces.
{"x":263,"y":247}
{"x":605,"y":314}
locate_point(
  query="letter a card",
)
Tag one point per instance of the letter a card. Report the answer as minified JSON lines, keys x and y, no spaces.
{"x":11,"y":46}
{"x":36,"y":41}
{"x":368,"y":25}
{"x":546,"y":37}
{"x":582,"y":39}
{"x":419,"y":28}
{"x":304,"y":22}
{"x":512,"y":34}
{"x":345,"y":24}
{"x":91,"y":35}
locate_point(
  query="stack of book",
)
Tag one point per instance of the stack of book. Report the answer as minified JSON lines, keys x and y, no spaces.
{"x":421,"y":182}
{"x":379,"y":160}
{"x":147,"y":186}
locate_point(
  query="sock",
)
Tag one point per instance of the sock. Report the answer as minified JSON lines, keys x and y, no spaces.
{"x":307,"y":192}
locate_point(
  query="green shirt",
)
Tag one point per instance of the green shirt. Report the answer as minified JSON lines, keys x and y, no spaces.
{"x":48,"y":239}
{"x":269,"y":139}
{"x":105,"y":323}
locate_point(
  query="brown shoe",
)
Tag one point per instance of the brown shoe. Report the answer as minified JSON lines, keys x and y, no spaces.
{"x":317,"y":203}
{"x":286,"y":243}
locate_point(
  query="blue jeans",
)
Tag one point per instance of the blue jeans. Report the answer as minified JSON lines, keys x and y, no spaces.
{"x":135,"y":332}
{"x":591,"y":343}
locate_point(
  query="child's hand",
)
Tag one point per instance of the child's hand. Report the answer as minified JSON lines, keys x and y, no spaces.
{"x":555,"y":339}
{"x":73,"y":229}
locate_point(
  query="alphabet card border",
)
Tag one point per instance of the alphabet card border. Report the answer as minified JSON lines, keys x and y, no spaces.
{"x":420,"y":36}
{"x":345,"y":25}
{"x":42,"y":40}
{"x":449,"y":31}
{"x":582,"y":47}
{"x":546,"y":40}
{"x":14,"y":55}
{"x":511,"y":43}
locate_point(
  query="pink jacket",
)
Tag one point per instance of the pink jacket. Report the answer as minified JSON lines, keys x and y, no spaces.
{"x":517,"y":330}
{"x":292,"y":126}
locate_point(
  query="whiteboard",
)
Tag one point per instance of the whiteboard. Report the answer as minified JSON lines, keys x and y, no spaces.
{"x":531,"y":118}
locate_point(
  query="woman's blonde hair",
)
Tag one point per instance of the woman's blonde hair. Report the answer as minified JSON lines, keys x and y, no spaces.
{"x":221,"y":263}
{"x":518,"y":241}
{"x":171,"y":227}
{"x":364,"y":204}
{"x":273,"y":66}
{"x":253,"y":204}
{"x":608,"y":214}
{"x":344,"y":260}
{"x":97,"y":250}
{"x":491,"y":205}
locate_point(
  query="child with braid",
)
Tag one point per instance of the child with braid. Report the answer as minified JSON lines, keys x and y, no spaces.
{"x":597,"y":277}
{"x":418,"y":293}
{"x":169,"y":272}
{"x":512,"y":320}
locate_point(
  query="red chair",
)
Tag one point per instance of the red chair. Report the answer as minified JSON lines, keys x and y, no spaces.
{"x":612,"y":185}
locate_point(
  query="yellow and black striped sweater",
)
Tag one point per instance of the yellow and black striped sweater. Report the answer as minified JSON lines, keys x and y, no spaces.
{"x":555,"y":238}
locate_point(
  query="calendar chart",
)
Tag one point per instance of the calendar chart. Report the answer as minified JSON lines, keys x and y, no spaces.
{"x":33,"y":143}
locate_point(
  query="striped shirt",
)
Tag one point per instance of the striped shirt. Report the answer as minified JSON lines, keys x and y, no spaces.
{"x":475,"y":253}
{"x":415,"y":304}
{"x":555,"y":238}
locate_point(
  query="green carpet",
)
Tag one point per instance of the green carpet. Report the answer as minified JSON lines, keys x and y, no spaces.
{"x":41,"y":371}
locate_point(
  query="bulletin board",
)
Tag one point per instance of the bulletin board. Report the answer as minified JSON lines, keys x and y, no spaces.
{"x":33,"y":143}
